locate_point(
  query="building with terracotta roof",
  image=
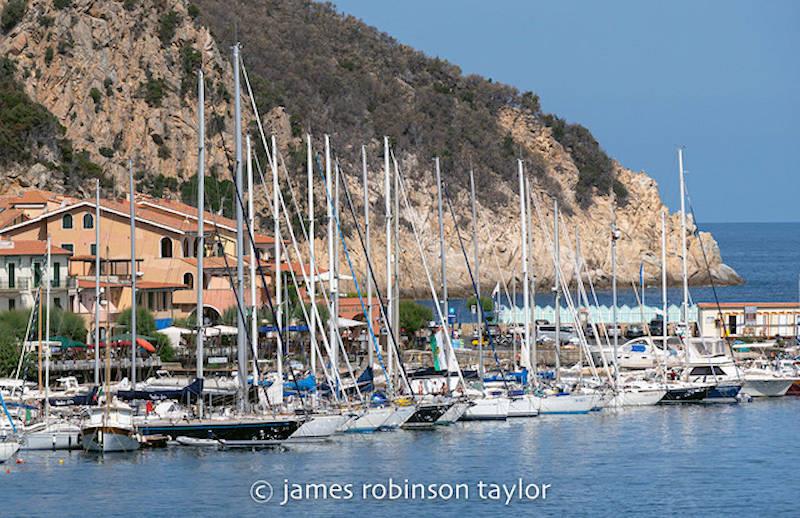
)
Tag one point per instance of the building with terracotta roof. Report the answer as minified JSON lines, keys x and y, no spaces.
{"x":761,"y":319}
{"x":23,"y":271}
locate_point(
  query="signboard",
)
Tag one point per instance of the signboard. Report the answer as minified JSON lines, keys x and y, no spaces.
{"x":216,"y":360}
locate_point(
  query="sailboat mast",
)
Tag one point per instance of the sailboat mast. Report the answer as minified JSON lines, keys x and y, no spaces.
{"x":312,"y":267}
{"x":532,"y":285}
{"x":479,"y":303}
{"x":367,"y":247}
{"x":396,"y":269}
{"x":97,"y":282}
{"x":278,"y":274}
{"x":557,"y":277}
{"x":332,"y":316}
{"x":201,"y":246}
{"x":49,"y":283}
{"x":387,"y":187}
{"x":614,"y":237}
{"x":442,"y":258}
{"x":685,"y":306}
{"x":133,"y":275}
{"x":525,"y":349}
{"x":241,"y":345}
{"x":251,"y":218}
{"x":664,"y":286}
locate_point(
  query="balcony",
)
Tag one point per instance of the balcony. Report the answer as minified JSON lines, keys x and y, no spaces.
{"x":27,"y":284}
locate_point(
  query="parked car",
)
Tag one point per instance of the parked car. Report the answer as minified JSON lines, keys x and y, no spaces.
{"x":634,"y":331}
{"x":656,"y":326}
{"x":547,"y":334}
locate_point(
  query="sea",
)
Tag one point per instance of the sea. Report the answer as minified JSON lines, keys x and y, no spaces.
{"x":678,"y":460}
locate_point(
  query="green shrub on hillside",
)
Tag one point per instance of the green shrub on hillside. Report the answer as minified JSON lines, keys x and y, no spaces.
{"x":12,"y":14}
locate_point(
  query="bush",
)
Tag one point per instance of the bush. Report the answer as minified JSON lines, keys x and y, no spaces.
{"x":12,"y":14}
{"x":46,"y":21}
{"x":145,"y":321}
{"x":106,"y":152}
{"x":97,"y":97}
{"x":62,"y":4}
{"x":9,"y":355}
{"x":164,"y":152}
{"x":166,"y":27}
{"x":48,"y":55}
{"x":152,"y":91}
{"x":193,"y":10}
{"x":414,"y":316}
{"x":191,"y":60}
{"x":486,"y":302}
{"x":66,"y":323}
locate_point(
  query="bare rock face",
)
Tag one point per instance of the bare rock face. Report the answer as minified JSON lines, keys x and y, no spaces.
{"x":120,"y":77}
{"x":123,"y":82}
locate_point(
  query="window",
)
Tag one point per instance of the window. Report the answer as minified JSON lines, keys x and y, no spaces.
{"x":93,"y":249}
{"x":185,"y":244}
{"x":12,"y":304}
{"x":37,"y":274}
{"x":68,"y":246}
{"x":188,"y":280}
{"x":164,"y":300}
{"x":220,"y":250}
{"x":57,"y":302}
{"x":12,"y":276}
{"x":88,"y":221}
{"x":56,"y":275}
{"x":166,"y":247}
{"x":151,"y":300}
{"x":66,"y":221}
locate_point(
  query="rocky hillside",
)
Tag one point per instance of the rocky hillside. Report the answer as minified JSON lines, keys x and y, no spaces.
{"x":115,"y":80}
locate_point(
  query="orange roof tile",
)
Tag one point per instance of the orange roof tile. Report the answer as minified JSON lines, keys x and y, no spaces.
{"x":13,"y":248}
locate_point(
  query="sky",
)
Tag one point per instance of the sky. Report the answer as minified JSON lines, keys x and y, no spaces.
{"x":719,"y":78}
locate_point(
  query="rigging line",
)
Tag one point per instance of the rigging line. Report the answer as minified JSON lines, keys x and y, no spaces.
{"x":382,"y":304}
{"x":339,"y":340}
{"x":434,"y":295}
{"x":328,"y":377}
{"x":474,"y":285}
{"x":251,"y":238}
{"x":367,"y":317}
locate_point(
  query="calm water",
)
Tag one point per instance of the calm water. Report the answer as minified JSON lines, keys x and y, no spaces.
{"x":692,"y":460}
{"x":766,"y":255}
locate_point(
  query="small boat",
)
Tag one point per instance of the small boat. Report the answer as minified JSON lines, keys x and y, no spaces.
{"x":566,"y":403}
{"x":319,"y":426}
{"x":110,"y":428}
{"x":454,"y":413}
{"x":52,"y":435}
{"x":427,"y":413}
{"x":760,"y":382}
{"x":197,"y":443}
{"x":370,"y":421}
{"x":709,"y":362}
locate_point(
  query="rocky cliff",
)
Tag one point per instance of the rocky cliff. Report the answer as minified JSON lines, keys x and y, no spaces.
{"x":119,"y":76}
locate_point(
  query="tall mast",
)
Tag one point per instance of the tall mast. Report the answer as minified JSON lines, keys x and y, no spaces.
{"x":526,"y":303}
{"x":442,"y":257}
{"x":312,"y":267}
{"x":557,"y":264}
{"x":201,"y":246}
{"x":479,"y":311}
{"x":614,"y":236}
{"x":278,"y":273}
{"x":387,"y":187}
{"x":367,"y":246}
{"x":241,"y":344}
{"x":396,"y":270}
{"x":97,"y":282}
{"x":685,"y":306}
{"x":664,"y":285}
{"x":49,"y":283}
{"x":531,"y":285}
{"x":133,"y":276}
{"x":578,"y":292}
{"x":332,"y":316}
{"x":251,"y":219}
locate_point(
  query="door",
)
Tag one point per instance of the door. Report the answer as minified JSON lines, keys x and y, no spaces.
{"x":732,"y":324}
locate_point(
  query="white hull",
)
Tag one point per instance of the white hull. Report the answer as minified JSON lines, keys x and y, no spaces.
{"x":106,"y":441}
{"x":630,"y":398}
{"x":525,"y":405}
{"x":399,"y":417}
{"x":320,"y":426}
{"x":52,"y":436}
{"x":370,"y":421}
{"x":567,"y":404}
{"x":767,"y":387}
{"x":488,"y":409}
{"x":453,"y":414}
{"x":7,"y":450}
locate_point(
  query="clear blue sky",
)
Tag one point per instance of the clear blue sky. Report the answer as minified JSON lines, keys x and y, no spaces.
{"x":718,"y":77}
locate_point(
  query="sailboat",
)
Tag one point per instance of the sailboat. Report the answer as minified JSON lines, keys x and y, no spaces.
{"x":53,"y":433}
{"x":9,"y":442}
